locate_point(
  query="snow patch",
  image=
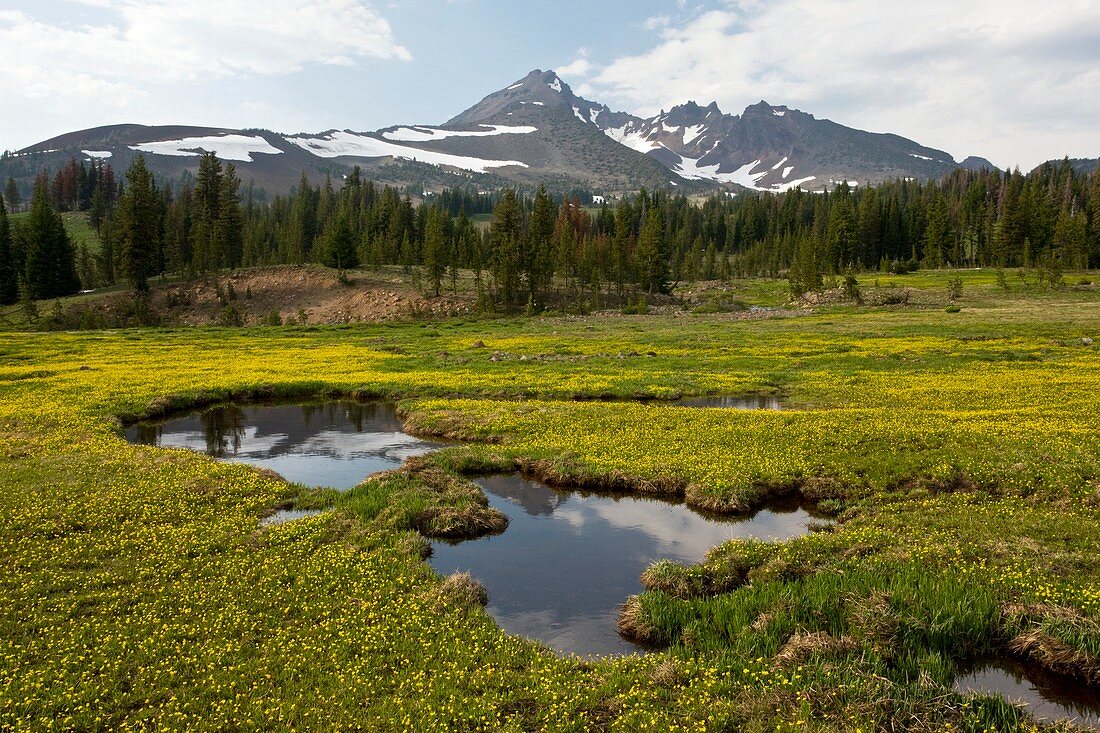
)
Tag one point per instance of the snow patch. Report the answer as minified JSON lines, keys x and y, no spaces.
{"x":746,"y":175}
{"x":669,"y":130}
{"x":779,"y":112}
{"x":422,"y":134}
{"x":692,"y":133}
{"x":338,"y":144}
{"x":787,"y":171}
{"x":555,"y":85}
{"x":777,"y":165}
{"x":788,"y":185}
{"x":593,"y":114}
{"x":227,"y":147}
{"x":98,"y":154}
{"x":628,"y":136}
{"x":515,"y":86}
{"x":577,"y":112}
{"x":922,"y":157}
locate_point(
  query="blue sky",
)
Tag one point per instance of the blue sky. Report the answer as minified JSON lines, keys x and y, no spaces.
{"x":1006,"y":79}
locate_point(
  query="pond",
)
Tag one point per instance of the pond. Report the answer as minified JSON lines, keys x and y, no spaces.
{"x":335,"y":444}
{"x":560,"y":571}
{"x":1048,"y":696}
{"x":568,"y":560}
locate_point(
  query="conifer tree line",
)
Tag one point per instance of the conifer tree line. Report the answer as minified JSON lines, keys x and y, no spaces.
{"x":538,"y":248}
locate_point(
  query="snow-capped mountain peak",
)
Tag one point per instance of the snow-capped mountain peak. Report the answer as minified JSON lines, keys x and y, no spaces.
{"x":538,"y":129}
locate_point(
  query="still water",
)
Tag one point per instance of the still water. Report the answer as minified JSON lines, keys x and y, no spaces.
{"x":568,"y":560}
{"x":335,"y":444}
{"x":1048,"y":696}
{"x":752,"y":402}
{"x":560,"y":571}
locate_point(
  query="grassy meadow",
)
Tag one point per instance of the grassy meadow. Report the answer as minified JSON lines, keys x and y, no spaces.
{"x":959,"y":453}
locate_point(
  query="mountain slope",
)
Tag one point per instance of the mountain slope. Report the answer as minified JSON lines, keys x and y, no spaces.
{"x":534,"y":131}
{"x":764,"y":148}
{"x":531,"y":144}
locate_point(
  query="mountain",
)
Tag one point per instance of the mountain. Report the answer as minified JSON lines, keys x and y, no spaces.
{"x":764,"y":148}
{"x":1083,"y":166}
{"x":974,"y":163}
{"x":535,"y":131}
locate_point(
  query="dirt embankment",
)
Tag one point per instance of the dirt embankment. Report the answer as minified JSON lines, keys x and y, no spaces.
{"x":292,"y":295}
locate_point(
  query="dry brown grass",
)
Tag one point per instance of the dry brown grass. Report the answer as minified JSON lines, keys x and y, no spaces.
{"x":460,"y":589}
{"x":802,"y":645}
{"x":633,"y":623}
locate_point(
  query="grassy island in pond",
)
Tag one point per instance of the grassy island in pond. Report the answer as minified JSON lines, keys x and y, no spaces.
{"x":958,"y":451}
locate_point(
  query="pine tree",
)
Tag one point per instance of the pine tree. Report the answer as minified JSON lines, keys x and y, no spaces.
{"x":805,"y":272}
{"x":302,"y":231}
{"x":651,"y":260}
{"x":9,"y":273}
{"x":435,"y":248}
{"x":938,"y":238}
{"x":138,"y":226}
{"x":340,"y":252}
{"x":205,"y":211}
{"x":50,"y":260}
{"x":229,"y":228}
{"x":505,"y":233}
{"x":870,"y":234}
{"x":1071,"y":240}
{"x":1094,"y":217}
{"x":841,"y":237}
{"x":539,"y":255}
{"x":11,"y":195}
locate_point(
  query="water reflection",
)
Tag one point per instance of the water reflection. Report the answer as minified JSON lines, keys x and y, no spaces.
{"x":1048,"y":696}
{"x":289,"y":515}
{"x":746,"y":402}
{"x":335,"y":444}
{"x":752,"y":402}
{"x":569,"y":560}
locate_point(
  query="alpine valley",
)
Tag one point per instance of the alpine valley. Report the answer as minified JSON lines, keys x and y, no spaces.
{"x":535,"y":131}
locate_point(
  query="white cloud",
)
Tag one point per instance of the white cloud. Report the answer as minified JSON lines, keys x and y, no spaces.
{"x":1003,"y":78}
{"x":115,"y":64}
{"x":149,"y":41}
{"x":580,"y":66}
{"x":164,"y":41}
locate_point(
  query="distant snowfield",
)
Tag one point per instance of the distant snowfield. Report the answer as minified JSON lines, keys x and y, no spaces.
{"x":627,"y":136}
{"x":693,"y":132}
{"x":746,"y":175}
{"x":338,"y":144}
{"x":227,"y":147}
{"x":423,"y":134}
{"x":99,"y":154}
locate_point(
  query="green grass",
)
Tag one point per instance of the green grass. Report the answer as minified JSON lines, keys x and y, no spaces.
{"x":958,"y":451}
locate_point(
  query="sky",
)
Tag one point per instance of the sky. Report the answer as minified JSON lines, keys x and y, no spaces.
{"x":1013,"y":81}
